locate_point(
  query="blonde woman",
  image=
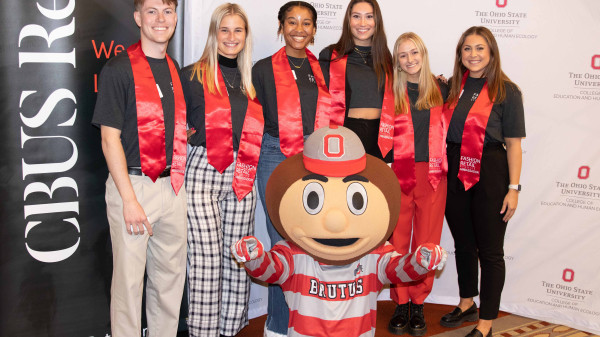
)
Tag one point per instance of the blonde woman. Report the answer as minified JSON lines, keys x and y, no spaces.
{"x":219,"y":96}
{"x":419,"y":164}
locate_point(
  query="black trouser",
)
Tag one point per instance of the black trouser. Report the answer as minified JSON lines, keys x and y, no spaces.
{"x":368,"y":132}
{"x":477,"y":227}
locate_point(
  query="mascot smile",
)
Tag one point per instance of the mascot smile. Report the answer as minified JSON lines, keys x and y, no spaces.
{"x":335,"y":206}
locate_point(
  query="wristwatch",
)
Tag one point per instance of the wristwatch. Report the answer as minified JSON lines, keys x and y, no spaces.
{"x":515,"y":187}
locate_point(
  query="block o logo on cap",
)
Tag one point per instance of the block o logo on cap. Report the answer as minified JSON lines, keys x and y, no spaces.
{"x":334,"y":151}
{"x":333,"y":146}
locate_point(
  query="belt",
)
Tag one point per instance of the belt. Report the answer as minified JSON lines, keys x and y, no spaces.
{"x":137,"y":171}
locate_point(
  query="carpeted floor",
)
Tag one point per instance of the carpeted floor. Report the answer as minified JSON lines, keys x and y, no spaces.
{"x":385,"y":309}
{"x":506,"y":325}
{"x":513,"y":325}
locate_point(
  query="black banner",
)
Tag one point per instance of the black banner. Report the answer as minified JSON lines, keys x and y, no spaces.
{"x":55,"y":254}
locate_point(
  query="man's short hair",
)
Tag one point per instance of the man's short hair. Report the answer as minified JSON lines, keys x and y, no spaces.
{"x":138,"y":4}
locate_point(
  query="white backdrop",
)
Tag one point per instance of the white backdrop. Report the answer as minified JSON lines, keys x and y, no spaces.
{"x":550,"y":49}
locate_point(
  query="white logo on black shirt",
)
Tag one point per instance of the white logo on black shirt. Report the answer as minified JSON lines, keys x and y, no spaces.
{"x":159,"y":91}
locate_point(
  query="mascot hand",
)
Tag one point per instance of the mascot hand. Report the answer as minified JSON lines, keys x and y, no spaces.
{"x":248,"y":248}
{"x":431,"y":256}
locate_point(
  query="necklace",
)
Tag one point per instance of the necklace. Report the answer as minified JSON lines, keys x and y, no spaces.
{"x":295,"y":66}
{"x":363,"y":55}
{"x":229,"y":84}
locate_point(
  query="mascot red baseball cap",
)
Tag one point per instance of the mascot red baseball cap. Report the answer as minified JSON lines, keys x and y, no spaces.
{"x":334,"y":151}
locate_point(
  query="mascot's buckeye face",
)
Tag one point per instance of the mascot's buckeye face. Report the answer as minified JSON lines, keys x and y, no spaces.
{"x":335,"y":219}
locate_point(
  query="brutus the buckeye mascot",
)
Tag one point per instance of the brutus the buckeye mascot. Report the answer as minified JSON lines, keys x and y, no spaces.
{"x":335,"y":206}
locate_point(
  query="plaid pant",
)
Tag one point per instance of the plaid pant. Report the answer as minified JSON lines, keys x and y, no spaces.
{"x":219,"y":287}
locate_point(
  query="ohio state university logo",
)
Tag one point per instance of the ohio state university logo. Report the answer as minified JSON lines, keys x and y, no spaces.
{"x":583,"y":172}
{"x":333,"y":146}
{"x":501,"y":3}
{"x":596,"y":62}
{"x":568,"y":275}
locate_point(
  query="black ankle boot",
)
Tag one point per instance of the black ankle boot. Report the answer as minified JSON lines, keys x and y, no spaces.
{"x":399,"y":322}
{"x":417,"y":325}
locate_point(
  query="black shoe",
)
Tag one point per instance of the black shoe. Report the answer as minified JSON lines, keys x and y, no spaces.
{"x":416,"y":324}
{"x":457,"y":317}
{"x":477,"y":333}
{"x":399,"y":322}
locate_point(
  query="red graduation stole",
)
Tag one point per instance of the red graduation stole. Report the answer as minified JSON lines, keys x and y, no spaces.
{"x":289,"y":113}
{"x":471,"y":148}
{"x":217,"y":117}
{"x":404,"y":148}
{"x":337,"y":89}
{"x":249,"y":151}
{"x":150,"y":120}
{"x":219,"y":139}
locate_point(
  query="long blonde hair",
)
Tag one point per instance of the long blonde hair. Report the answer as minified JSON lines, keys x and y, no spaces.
{"x":208,"y":62}
{"x":429,"y":93}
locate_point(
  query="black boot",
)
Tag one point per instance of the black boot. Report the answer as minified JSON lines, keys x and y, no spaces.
{"x":417,"y":325}
{"x":399,"y":322}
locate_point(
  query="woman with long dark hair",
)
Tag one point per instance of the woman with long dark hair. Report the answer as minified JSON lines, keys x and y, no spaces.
{"x":420,"y":165}
{"x":358,"y":70}
{"x":290,"y":86}
{"x":219,"y":95}
{"x":484,"y":166}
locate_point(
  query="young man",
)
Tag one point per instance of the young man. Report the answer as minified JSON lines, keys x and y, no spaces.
{"x":141,"y":113}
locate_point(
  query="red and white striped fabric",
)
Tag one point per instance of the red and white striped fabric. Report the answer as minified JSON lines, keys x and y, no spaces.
{"x":334,"y":301}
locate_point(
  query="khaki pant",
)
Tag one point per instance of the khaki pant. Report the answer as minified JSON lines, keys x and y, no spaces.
{"x":163,"y":256}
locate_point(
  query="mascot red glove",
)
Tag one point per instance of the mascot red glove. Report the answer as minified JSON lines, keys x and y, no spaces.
{"x":248,"y":248}
{"x":335,"y":206}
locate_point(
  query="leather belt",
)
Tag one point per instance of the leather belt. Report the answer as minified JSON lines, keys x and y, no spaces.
{"x":137,"y":171}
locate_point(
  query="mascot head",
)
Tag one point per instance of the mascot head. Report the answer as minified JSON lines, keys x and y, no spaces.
{"x":333,"y":200}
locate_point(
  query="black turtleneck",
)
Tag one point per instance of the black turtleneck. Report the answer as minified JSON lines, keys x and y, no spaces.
{"x":227,"y":62}
{"x":193,"y":91}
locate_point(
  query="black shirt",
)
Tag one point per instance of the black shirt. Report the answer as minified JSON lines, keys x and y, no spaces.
{"x":420,"y":120}
{"x":362,"y":91}
{"x":193,"y":91}
{"x":263,"y":80}
{"x":507,"y":119}
{"x":360,"y":78}
{"x":116,"y":104}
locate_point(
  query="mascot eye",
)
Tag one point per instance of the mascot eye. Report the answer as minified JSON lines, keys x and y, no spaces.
{"x":313,"y":197}
{"x":356,"y":196}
